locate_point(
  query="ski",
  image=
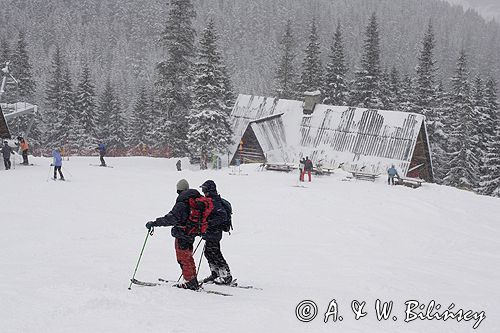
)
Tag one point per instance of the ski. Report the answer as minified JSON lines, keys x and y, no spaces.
{"x":102,"y":166}
{"x":167,"y":283}
{"x":142,"y":283}
{"x":233,"y":284}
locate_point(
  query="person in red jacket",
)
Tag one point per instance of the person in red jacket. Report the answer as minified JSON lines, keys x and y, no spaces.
{"x":308,"y":168}
{"x":177,"y":218}
{"x":23,"y":144}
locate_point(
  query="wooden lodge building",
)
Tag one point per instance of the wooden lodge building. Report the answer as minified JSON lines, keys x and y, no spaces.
{"x":271,"y":130}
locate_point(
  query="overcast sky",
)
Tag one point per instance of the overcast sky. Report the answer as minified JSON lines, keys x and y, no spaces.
{"x":488,"y":8}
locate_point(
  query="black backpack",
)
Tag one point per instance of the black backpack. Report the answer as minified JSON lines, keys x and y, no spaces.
{"x":227,"y":226}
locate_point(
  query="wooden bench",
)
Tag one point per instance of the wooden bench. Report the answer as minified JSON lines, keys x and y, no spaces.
{"x":410,"y":182}
{"x":365,"y":175}
{"x":280,"y":167}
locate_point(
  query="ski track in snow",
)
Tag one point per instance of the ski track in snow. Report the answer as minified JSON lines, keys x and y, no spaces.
{"x":69,"y":250}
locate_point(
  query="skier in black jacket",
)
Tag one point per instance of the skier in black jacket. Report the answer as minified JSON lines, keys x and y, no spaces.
{"x":6,"y":151}
{"x":178,"y":218}
{"x":220,"y":273}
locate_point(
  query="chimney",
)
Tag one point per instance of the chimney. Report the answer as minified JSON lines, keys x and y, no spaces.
{"x":311,"y":98}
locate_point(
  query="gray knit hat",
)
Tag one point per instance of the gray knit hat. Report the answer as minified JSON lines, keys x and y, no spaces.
{"x":182,"y":185}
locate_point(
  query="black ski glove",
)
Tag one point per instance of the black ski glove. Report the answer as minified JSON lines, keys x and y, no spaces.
{"x":150,"y":225}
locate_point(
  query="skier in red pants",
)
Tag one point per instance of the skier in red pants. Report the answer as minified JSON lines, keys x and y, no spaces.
{"x":308,"y":168}
{"x":178,"y":218}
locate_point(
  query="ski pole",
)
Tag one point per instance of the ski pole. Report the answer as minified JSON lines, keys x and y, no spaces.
{"x":196,"y":248}
{"x":50,"y":169}
{"x":150,"y":232}
{"x":199,"y":263}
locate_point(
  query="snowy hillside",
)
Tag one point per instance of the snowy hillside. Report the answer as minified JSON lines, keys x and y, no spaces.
{"x":70,"y":248}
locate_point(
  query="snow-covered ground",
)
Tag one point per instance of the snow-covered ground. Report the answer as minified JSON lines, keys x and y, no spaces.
{"x":68,"y":250}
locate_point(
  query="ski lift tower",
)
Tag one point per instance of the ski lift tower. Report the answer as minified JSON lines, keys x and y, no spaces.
{"x":12,"y":110}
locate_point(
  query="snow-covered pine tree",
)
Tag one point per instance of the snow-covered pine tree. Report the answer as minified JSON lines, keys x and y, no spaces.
{"x":438,"y":138}
{"x":112,"y":122}
{"x":426,"y":72}
{"x":53,"y":103}
{"x":9,"y":96}
{"x":86,"y":112}
{"x":385,"y":89}
{"x":174,"y":76}
{"x":485,"y":129}
{"x":394,"y":90}
{"x":464,"y":162}
{"x":336,"y":86}
{"x":4,"y":52}
{"x":209,"y":128}
{"x":140,"y":124}
{"x":22,"y":70}
{"x":68,"y":131}
{"x":312,"y":70}
{"x":367,"y":82}
{"x":285,"y":77}
{"x":490,"y":173}
{"x":407,"y":94}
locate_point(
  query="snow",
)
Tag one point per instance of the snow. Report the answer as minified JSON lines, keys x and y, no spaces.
{"x":70,"y":248}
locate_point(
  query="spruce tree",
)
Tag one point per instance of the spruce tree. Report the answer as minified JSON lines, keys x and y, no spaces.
{"x":5,"y":54}
{"x":54,"y":101}
{"x":113,"y":125}
{"x":426,"y":71}
{"x":285,"y":77}
{"x":9,"y":95}
{"x":209,"y":128}
{"x":86,"y":114}
{"x":22,"y":71}
{"x":68,"y":132}
{"x":406,"y":94}
{"x":436,"y":132}
{"x":336,"y":87}
{"x":490,"y":173}
{"x":140,"y":123}
{"x":312,"y":70}
{"x":394,"y":87}
{"x":367,"y":84}
{"x":464,"y":162}
{"x":174,"y":76}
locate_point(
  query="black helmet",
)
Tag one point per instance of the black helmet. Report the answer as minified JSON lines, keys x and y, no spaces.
{"x":208,"y":186}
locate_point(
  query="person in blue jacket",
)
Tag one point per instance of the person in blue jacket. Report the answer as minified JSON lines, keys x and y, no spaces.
{"x":102,"y":153}
{"x":57,"y":163}
{"x":392,"y":172}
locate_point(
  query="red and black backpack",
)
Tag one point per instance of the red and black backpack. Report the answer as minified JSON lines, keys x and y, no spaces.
{"x":199,"y":210}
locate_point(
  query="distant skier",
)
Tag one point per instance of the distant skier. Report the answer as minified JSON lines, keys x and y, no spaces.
{"x":23,"y":144}
{"x":6,"y":152}
{"x":178,"y":165}
{"x":218,"y":221}
{"x":302,"y":165}
{"x":102,"y":153}
{"x":308,"y":166}
{"x":57,"y":163}
{"x":392,"y":172}
{"x":177,"y":218}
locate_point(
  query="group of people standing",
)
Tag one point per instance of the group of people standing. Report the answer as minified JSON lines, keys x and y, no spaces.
{"x":7,"y":151}
{"x":305,"y":166}
{"x":218,"y":220}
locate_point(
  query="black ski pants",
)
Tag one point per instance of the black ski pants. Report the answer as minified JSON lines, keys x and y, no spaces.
{"x":58,"y":168}
{"x":6,"y":163}
{"x":214,"y":255}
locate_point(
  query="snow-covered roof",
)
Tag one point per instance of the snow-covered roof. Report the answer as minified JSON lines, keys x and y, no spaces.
{"x":357,"y":137}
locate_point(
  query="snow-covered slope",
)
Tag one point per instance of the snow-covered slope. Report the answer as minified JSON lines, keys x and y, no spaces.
{"x":68,"y":250}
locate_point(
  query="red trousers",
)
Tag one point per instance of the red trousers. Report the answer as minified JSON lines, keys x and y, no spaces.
{"x":303,"y":173}
{"x":184,"y":254}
